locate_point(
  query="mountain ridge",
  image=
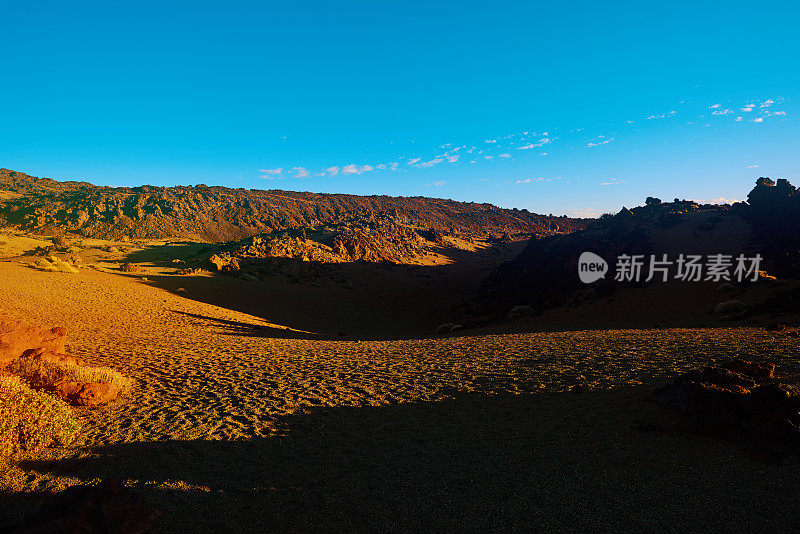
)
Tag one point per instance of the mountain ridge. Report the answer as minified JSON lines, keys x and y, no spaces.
{"x":217,"y":213}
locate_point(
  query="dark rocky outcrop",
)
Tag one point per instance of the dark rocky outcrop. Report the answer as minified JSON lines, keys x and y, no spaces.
{"x":544,"y":274}
{"x":773,"y":210}
{"x":740,"y":401}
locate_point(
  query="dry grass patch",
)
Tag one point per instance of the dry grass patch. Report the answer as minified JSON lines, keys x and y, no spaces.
{"x":42,"y":373}
{"x":32,"y":420}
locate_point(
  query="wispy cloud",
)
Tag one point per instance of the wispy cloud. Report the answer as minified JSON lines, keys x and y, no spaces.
{"x":541,"y":142}
{"x":537,"y":179}
{"x":356,"y":169}
{"x":270,"y":174}
{"x":438,"y":183}
{"x":600,"y":143}
{"x":500,"y":148}
{"x":614,"y":181}
{"x":300,"y":172}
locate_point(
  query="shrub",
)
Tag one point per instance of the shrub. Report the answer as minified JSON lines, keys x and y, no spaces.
{"x":32,"y":420}
{"x":129,"y":267}
{"x":60,"y":242}
{"x":43,"y":373}
{"x":54,"y":264}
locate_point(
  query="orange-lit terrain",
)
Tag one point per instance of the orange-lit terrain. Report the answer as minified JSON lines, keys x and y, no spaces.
{"x":291,"y":395}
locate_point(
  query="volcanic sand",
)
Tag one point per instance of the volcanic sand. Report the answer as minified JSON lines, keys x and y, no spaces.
{"x":241,"y":424}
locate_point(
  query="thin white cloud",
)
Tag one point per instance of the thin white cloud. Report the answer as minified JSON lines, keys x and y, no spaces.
{"x":332,"y":170}
{"x":600,"y":143}
{"x":270,"y":174}
{"x":413,"y":161}
{"x":541,"y":142}
{"x":752,"y":166}
{"x":758,"y":119}
{"x":505,"y":155}
{"x":300,"y":172}
{"x":438,"y":183}
{"x":350,"y":169}
{"x":537,"y":179}
{"x":720,"y":200}
{"x":431,"y":163}
{"x":490,"y":141}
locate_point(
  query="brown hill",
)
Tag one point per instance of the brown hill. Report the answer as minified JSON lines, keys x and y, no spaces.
{"x":218,"y":214}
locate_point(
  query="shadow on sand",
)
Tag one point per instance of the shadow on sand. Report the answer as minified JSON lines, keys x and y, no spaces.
{"x":359,"y":300}
{"x":473,"y":463}
{"x":239,"y":328}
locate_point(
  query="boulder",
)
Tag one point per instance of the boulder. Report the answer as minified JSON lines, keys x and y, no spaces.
{"x":16,"y":337}
{"x":84,"y":393}
{"x":45,"y":355}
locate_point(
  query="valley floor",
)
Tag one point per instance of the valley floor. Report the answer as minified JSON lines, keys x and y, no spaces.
{"x":236,"y":424}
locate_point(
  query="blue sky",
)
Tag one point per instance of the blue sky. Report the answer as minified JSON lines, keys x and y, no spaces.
{"x":563,"y":107}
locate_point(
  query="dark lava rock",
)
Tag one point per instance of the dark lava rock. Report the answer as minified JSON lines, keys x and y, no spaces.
{"x":740,"y":401}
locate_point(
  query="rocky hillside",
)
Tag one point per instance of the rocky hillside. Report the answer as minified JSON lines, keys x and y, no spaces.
{"x":545,"y":273}
{"x":304,"y":251}
{"x":217,"y":214}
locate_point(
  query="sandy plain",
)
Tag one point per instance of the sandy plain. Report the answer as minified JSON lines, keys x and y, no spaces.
{"x":253,"y":422}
